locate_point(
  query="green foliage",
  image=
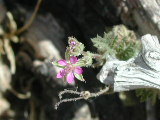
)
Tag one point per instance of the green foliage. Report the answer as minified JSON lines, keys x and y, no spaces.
{"x":119,"y":42}
{"x":85,"y":60}
{"x":145,"y":94}
{"x":104,"y":44}
{"x":122,"y":43}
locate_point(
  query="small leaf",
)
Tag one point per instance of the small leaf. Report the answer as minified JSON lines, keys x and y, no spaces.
{"x":57,"y":64}
{"x":79,"y":77}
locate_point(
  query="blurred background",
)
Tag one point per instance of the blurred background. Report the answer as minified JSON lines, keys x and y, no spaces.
{"x":30,"y":40}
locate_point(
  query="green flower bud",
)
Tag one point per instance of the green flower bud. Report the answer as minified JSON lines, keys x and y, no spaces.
{"x":75,"y":48}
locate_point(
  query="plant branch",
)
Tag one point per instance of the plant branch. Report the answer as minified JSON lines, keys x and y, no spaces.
{"x":82,"y":95}
{"x":28,"y":24}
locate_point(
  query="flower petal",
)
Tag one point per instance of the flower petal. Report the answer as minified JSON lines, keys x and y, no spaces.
{"x":73,"y":59}
{"x":62,"y":62}
{"x":61,"y":73}
{"x":78,"y":70}
{"x":70,"y":78}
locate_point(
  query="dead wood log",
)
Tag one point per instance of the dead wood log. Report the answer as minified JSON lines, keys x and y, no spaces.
{"x":139,"y":72}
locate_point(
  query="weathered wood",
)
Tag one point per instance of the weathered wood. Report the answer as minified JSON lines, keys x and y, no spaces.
{"x":138,"y":72}
{"x":144,"y":14}
{"x":147,"y":16}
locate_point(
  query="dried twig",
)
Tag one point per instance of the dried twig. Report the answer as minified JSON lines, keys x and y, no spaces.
{"x":27,"y":25}
{"x":82,"y":95}
{"x":19,"y":95}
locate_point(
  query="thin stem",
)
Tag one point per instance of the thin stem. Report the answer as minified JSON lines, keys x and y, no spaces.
{"x":100,"y":92}
{"x":68,"y":91}
{"x":27,"y":25}
{"x":67,"y":100}
{"x":94,"y":55}
{"x":97,"y":56}
{"x":82,"y":95}
{"x":19,"y":95}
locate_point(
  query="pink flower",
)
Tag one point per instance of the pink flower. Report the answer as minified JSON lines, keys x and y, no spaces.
{"x":70,"y":70}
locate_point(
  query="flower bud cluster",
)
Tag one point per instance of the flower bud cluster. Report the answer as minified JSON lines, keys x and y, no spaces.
{"x":75,"y":48}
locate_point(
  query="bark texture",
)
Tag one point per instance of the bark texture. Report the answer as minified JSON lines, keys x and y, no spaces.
{"x":142,"y":14}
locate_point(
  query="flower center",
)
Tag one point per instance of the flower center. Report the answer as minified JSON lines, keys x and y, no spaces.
{"x":69,"y":68}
